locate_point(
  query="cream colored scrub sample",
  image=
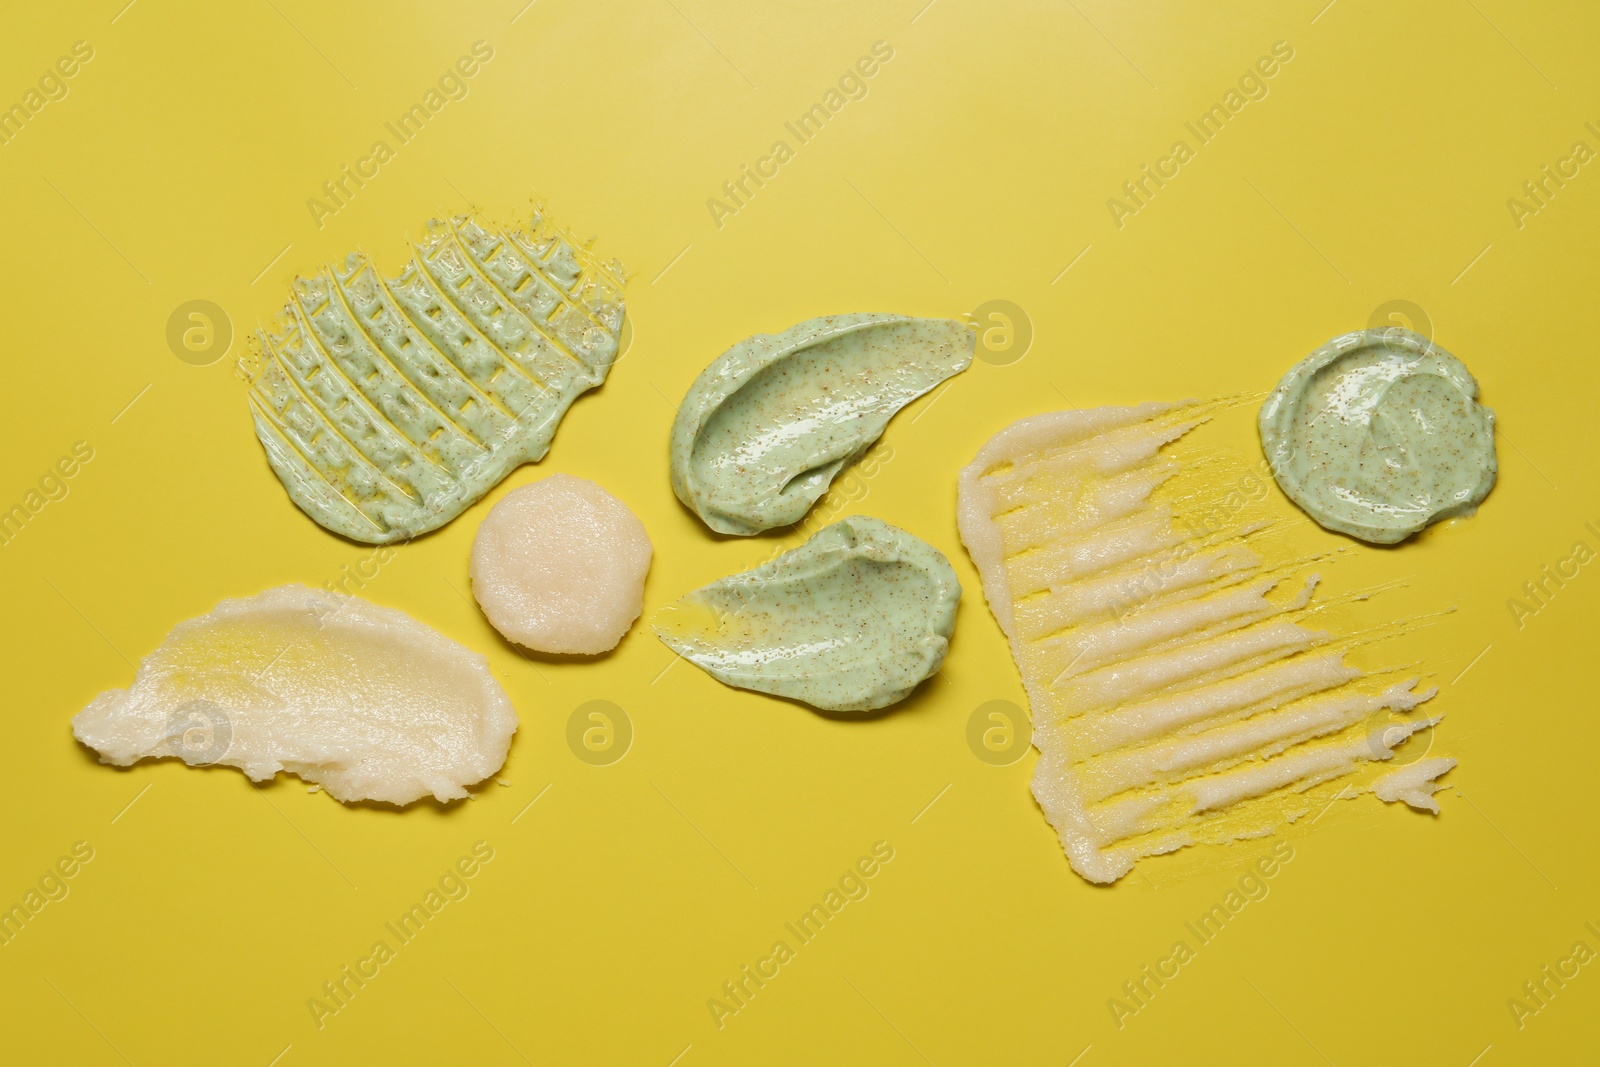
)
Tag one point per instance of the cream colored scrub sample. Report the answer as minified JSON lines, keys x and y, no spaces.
{"x":851,"y":620}
{"x":765,"y":428}
{"x":559,"y":566}
{"x":387,"y":406}
{"x":1414,"y":784}
{"x":1178,"y":694}
{"x":1379,"y":433}
{"x":360,"y":699}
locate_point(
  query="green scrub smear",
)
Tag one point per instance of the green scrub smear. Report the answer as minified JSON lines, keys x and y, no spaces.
{"x":387,"y":406}
{"x":852,"y":620}
{"x":765,"y":428}
{"x":1378,"y":433}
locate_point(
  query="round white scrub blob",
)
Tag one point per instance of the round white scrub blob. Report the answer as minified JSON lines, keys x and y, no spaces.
{"x":559,"y":566}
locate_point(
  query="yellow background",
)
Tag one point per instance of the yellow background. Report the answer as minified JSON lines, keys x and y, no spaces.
{"x":978,"y":167}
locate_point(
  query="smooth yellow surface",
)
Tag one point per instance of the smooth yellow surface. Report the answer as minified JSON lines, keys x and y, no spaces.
{"x":977,"y":168}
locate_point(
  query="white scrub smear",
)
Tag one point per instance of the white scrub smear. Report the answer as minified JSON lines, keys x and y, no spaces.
{"x":362,"y":700}
{"x":1415,"y":784}
{"x":559,"y":566}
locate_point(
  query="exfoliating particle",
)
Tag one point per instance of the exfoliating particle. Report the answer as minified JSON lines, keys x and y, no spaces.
{"x":1178,"y":694}
{"x":360,"y":699}
{"x":559,"y":566}
{"x":765,"y":428}
{"x":1378,"y":434}
{"x":387,"y":406}
{"x":1414,"y":784}
{"x":851,"y":620}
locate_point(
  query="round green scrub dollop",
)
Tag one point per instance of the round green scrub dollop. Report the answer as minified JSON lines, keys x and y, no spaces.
{"x":1379,"y":433}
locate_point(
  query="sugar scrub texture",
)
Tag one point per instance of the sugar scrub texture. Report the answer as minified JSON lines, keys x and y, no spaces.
{"x":360,"y":699}
{"x":1181,"y":690}
{"x":559,"y":566}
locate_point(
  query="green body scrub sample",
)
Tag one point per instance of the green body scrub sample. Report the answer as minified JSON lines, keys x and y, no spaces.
{"x":851,"y":620}
{"x":765,"y":428}
{"x":1379,"y":433}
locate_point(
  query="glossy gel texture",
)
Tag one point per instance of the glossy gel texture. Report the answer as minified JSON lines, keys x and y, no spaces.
{"x":1379,"y":433}
{"x":559,"y":566}
{"x":361,"y":699}
{"x":851,"y":620}
{"x":765,"y":428}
